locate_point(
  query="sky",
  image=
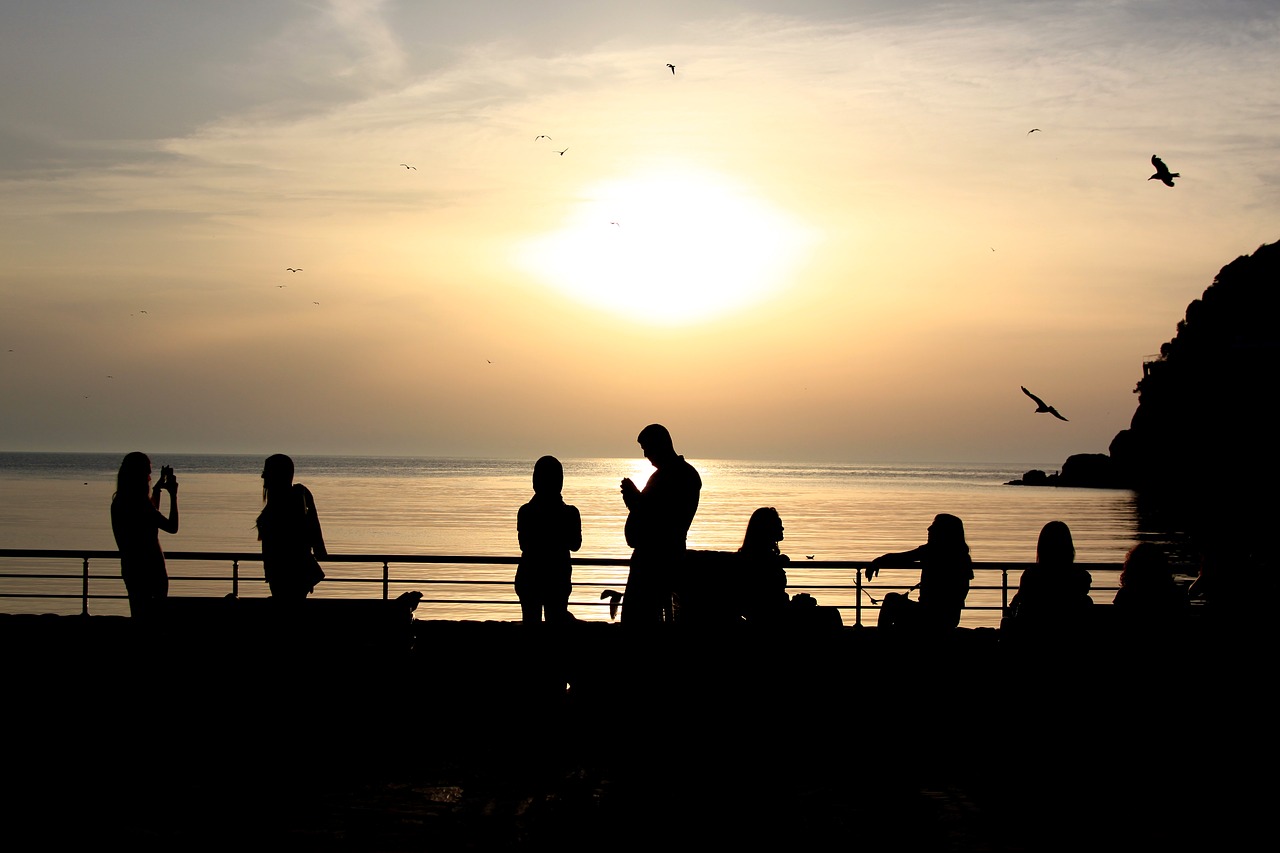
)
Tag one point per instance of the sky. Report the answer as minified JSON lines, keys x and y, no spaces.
{"x":830,"y":233}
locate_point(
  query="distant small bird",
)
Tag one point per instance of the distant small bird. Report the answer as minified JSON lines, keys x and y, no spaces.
{"x":282,"y":285}
{"x":672,"y":67}
{"x":315,"y":303}
{"x":293,"y":269}
{"x":808,"y":556}
{"x":541,"y":136}
{"x":615,"y":598}
{"x":141,"y":311}
{"x":1162,"y":172}
{"x":1035,"y":130}
{"x":561,"y":151}
{"x":407,"y":166}
{"x":616,"y":222}
{"x":1040,"y":404}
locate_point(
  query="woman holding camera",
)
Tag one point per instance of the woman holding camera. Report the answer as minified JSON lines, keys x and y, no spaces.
{"x":136,"y":521}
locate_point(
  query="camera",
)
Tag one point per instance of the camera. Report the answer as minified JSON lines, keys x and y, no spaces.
{"x":166,"y":474}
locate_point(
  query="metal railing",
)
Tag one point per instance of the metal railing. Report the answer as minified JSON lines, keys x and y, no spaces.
{"x":388,"y":580}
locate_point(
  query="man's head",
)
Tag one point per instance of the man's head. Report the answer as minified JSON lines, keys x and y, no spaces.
{"x":655,"y":441}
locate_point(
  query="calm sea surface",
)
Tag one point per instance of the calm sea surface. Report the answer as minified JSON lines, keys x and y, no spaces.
{"x":468,"y":507}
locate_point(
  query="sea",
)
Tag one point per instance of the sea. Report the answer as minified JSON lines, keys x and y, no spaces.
{"x":370,"y":505}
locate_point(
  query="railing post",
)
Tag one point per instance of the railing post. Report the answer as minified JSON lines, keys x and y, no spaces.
{"x":857,"y":598}
{"x":84,"y":589}
{"x":386,"y":580}
{"x":235,"y":577}
{"x":1004,"y":591}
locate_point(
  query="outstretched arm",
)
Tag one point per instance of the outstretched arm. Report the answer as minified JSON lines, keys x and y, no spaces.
{"x":899,"y":559}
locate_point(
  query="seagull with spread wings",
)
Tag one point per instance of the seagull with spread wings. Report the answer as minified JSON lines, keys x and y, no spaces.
{"x":1041,"y":406}
{"x":1162,"y":172}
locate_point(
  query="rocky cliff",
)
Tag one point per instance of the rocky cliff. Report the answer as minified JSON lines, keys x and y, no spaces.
{"x":1197,"y":444}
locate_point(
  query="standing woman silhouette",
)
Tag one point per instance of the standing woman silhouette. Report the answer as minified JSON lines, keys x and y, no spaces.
{"x":135,"y":522}
{"x":289,"y":531}
{"x":548,"y":529}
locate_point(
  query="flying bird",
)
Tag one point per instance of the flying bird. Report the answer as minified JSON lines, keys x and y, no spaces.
{"x":541,"y":136}
{"x":561,"y":151}
{"x":1035,"y":130}
{"x":1040,"y":405}
{"x":672,"y":67}
{"x":293,"y":269}
{"x":407,"y":166}
{"x":1162,"y":172}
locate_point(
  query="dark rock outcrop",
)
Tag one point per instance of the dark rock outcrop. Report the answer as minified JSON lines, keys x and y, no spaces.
{"x":1203,"y":427}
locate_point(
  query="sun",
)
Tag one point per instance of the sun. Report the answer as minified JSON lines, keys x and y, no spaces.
{"x":669,"y":247}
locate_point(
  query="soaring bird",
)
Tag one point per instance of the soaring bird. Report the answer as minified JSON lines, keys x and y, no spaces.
{"x":1035,"y":130}
{"x":1162,"y":172}
{"x":672,"y":67}
{"x":407,"y":166}
{"x":1040,"y":405}
{"x":541,"y":136}
{"x":293,"y":269}
{"x":561,"y":151}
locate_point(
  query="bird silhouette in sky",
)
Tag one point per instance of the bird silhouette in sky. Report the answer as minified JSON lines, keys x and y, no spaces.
{"x":541,"y":136}
{"x":293,"y":269}
{"x":1162,"y":172}
{"x":672,"y":67}
{"x":1035,"y":130}
{"x":561,"y":151}
{"x":1041,"y":406}
{"x":407,"y":166}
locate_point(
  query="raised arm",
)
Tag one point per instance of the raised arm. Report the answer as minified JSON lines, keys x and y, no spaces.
{"x":170,"y":485}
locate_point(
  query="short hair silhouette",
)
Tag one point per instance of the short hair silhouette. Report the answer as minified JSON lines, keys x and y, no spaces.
{"x":655,"y":436}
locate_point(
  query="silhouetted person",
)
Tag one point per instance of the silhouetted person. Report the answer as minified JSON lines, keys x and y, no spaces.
{"x":762,"y":582}
{"x":945,"y":572}
{"x":1147,"y":587}
{"x":657,"y":526}
{"x":136,"y":521}
{"x":548,"y":529}
{"x":289,"y":530}
{"x":1055,"y":591}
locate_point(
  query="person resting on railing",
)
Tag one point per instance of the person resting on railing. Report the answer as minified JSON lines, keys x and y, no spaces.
{"x":289,"y":530}
{"x":1054,"y":593}
{"x":945,"y":572}
{"x":135,"y":522}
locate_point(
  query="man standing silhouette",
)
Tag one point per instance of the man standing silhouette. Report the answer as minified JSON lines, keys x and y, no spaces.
{"x":657,"y":524}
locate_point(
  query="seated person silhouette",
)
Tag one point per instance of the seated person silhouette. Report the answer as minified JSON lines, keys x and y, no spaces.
{"x":1054,"y":593}
{"x":1148,"y":592}
{"x":762,"y":577}
{"x":548,"y":529}
{"x":945,"y":572}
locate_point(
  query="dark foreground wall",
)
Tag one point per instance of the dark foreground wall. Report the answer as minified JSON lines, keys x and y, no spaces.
{"x":342,"y":730}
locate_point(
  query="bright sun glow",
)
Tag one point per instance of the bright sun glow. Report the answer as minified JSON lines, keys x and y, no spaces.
{"x":669,"y":248}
